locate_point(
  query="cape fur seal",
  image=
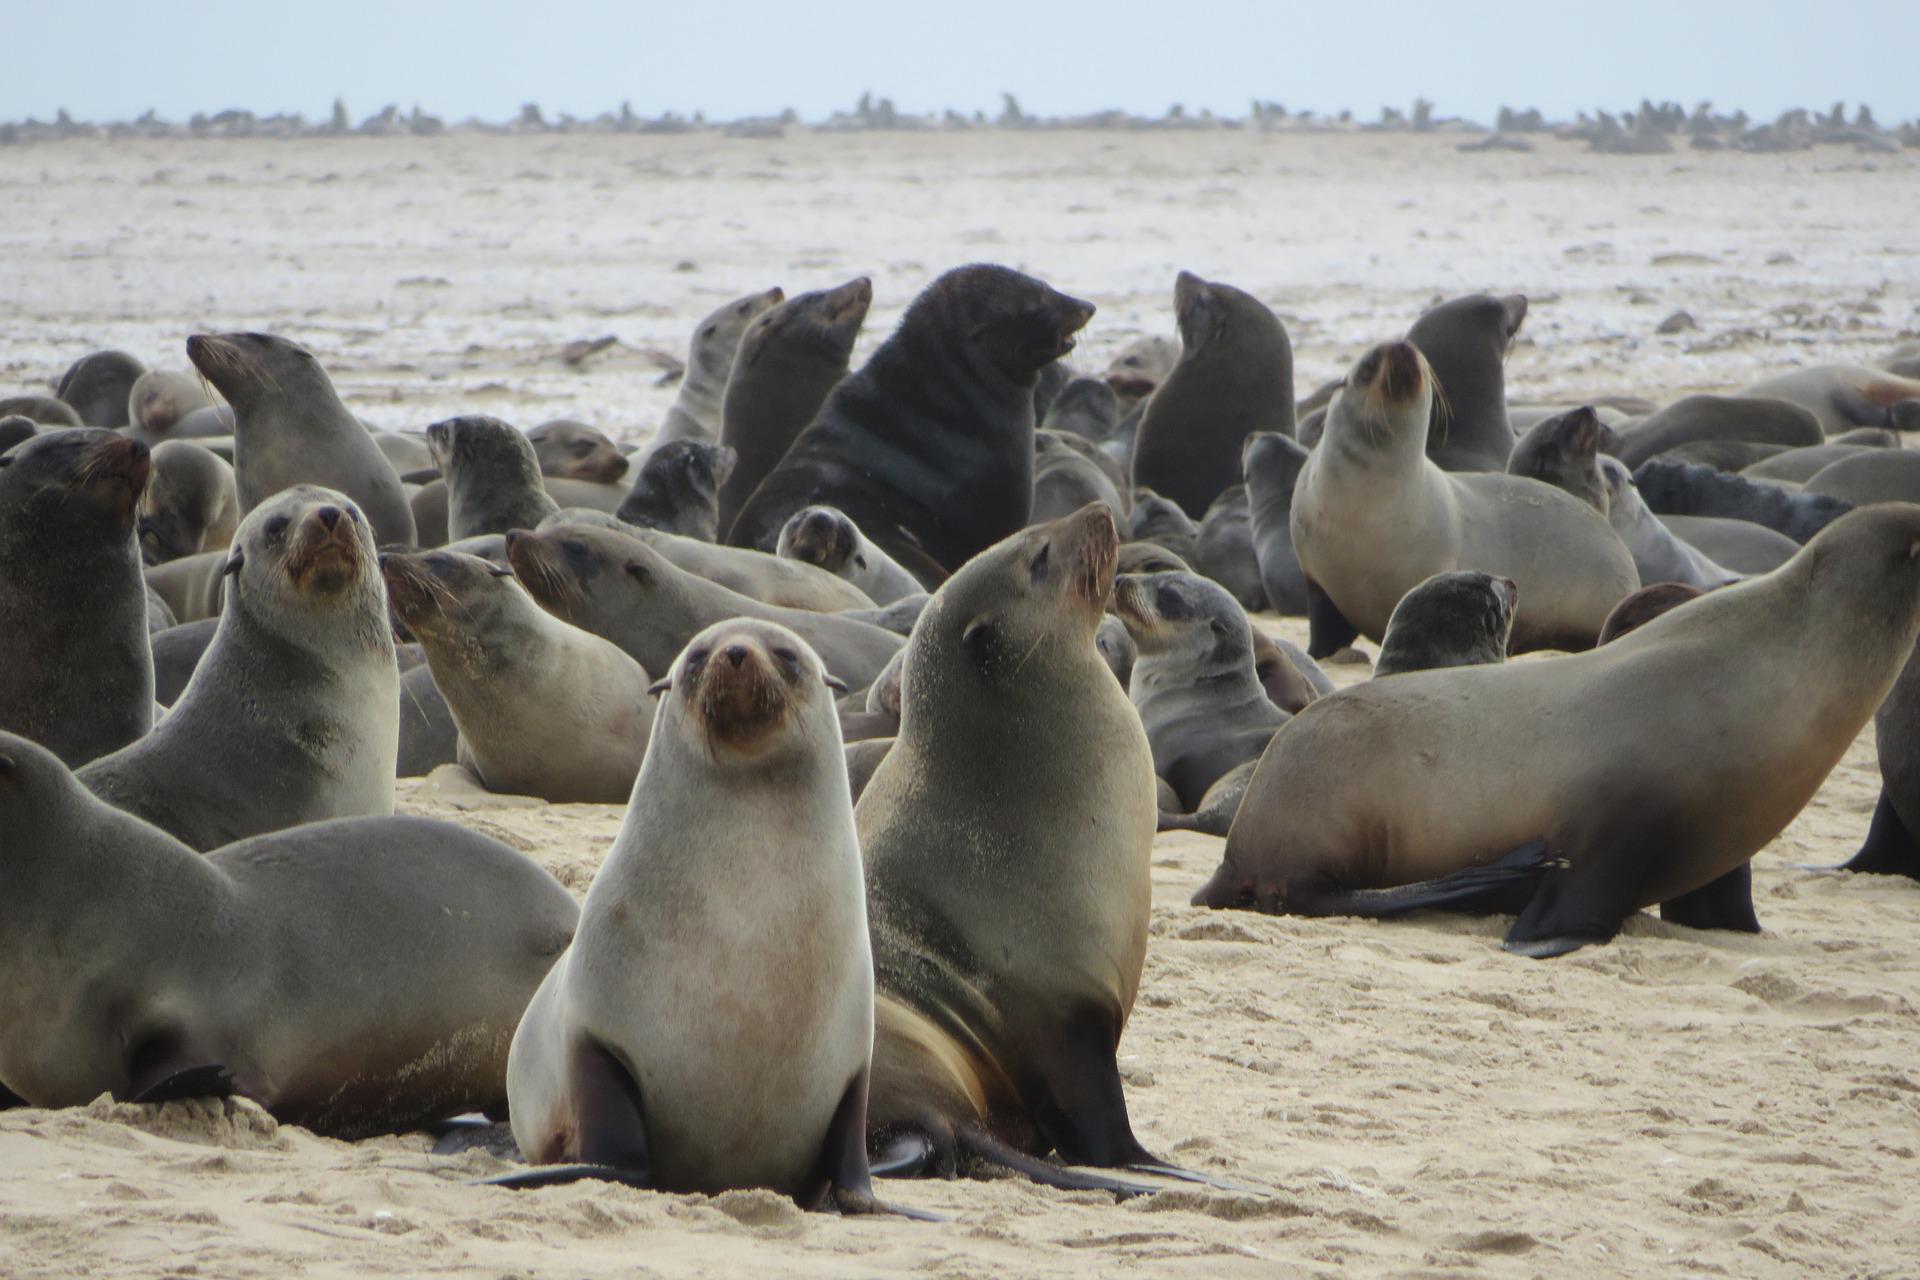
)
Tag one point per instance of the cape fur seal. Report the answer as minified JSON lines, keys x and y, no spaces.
{"x":677,"y":489}
{"x":768,"y":579}
{"x":16,"y":429}
{"x":1373,"y":517}
{"x":1234,"y":377}
{"x":1887,"y":475}
{"x":1588,"y":787}
{"x":1738,"y":545}
{"x":162,"y":399}
{"x":1465,"y":341}
{"x":1086,"y":407}
{"x":543,"y":708}
{"x":1644,"y":605}
{"x":1797,"y":466}
{"x":193,"y":585}
{"x":1272,"y":464}
{"x":1890,"y":847}
{"x":1160,"y":520}
{"x":493,"y":478}
{"x":78,"y":677}
{"x":1224,"y":549}
{"x":1142,"y":366}
{"x":46,"y":411}
{"x":576,"y":451}
{"x":1759,"y":419}
{"x":190,"y":505}
{"x":829,"y":540}
{"x":292,"y":714}
{"x":929,"y":445}
{"x":97,"y":385}
{"x":290,"y":428}
{"x":790,"y":358}
{"x":1674,"y":489}
{"x":355,"y":977}
{"x":695,"y":413}
{"x":1843,"y":396}
{"x":614,"y":1065}
{"x":1067,"y":476}
{"x":1458,"y":619}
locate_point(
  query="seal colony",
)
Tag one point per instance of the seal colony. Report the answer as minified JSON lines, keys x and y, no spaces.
{"x":880,"y":901}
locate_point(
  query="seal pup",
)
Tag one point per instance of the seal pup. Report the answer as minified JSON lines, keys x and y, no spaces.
{"x":619,"y":587}
{"x":96,"y":385}
{"x":1458,"y":619}
{"x":1885,"y":475}
{"x":677,"y":489}
{"x":1673,"y":489}
{"x":1758,"y":419}
{"x":614,"y":1065}
{"x":1373,"y":517}
{"x":1224,"y":549}
{"x":695,"y":412}
{"x":1194,"y":683}
{"x":356,"y":977}
{"x":790,"y":358}
{"x":1644,"y":605}
{"x":929,"y":445}
{"x":191,"y":503}
{"x":161,"y":400}
{"x":1465,"y":342}
{"x":1844,"y":396}
{"x":493,"y":478}
{"x":1149,"y":557}
{"x":1085,"y":407}
{"x":1009,"y":903}
{"x":1659,"y":554}
{"x":543,"y":708}
{"x":1161,"y":521}
{"x":1234,"y":377}
{"x":78,"y":677}
{"x":575,"y":451}
{"x":1586,"y":788}
{"x":828,"y":539}
{"x":1272,"y":464}
{"x":292,"y":714}
{"x":289,"y":428}
{"x":1066,"y":479}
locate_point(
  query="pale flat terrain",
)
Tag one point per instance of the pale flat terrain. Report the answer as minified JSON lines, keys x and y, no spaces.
{"x":1411,"y":1100}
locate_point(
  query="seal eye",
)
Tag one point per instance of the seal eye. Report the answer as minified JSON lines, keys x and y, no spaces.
{"x":789,"y":661}
{"x":277,"y":528}
{"x":696,"y":660}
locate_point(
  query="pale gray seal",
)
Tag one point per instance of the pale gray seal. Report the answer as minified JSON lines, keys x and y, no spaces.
{"x":695,"y":413}
{"x":829,"y":540}
{"x":677,"y":489}
{"x":493,"y":478}
{"x":191,"y":503}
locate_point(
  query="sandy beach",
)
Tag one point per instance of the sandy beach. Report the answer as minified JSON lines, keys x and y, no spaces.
{"x":1398,"y":1099}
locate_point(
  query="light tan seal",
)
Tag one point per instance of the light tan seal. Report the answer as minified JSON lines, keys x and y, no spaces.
{"x":695,"y":414}
{"x":190,"y":505}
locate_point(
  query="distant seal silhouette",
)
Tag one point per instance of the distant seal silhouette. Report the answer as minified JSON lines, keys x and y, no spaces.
{"x":576,"y":451}
{"x":695,"y":413}
{"x":1673,"y":489}
{"x":1887,"y":475}
{"x":929,"y":445}
{"x":827,"y":538}
{"x":78,"y":677}
{"x":1465,"y":341}
{"x":96,"y":385}
{"x":1616,"y":791}
{"x":1225,"y":548}
{"x":493,"y":477}
{"x":1373,"y":517}
{"x":543,"y":708}
{"x":1234,"y":377}
{"x":677,"y":489}
{"x":1757,"y":419}
{"x":1844,"y":396}
{"x":191,"y":503}
{"x":790,"y":358}
{"x":1272,"y":464}
{"x":290,"y":428}
{"x":1644,"y":605}
{"x":292,"y":714}
{"x":1456,"y":619}
{"x":614,"y":1065}
{"x":617,"y":586}
{"x":269,"y":969}
{"x":161,"y":400}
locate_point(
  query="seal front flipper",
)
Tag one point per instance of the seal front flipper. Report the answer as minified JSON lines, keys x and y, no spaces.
{"x":1890,"y":848}
{"x":843,"y":1159}
{"x":1458,"y":889}
{"x":1725,"y":903}
{"x":1328,"y":630}
{"x":209,"y":1080}
{"x":1567,"y":913}
{"x":610,"y":1127}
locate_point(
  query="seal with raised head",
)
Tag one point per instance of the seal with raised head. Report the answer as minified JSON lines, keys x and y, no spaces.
{"x":1583,"y":789}
{"x":790,"y":358}
{"x":1373,"y":517}
{"x":1458,"y":619}
{"x":97,"y":385}
{"x":190,"y":505}
{"x":290,"y":428}
{"x":614,"y":1065}
{"x":355,"y":977}
{"x":543,"y":708}
{"x":292,"y":715}
{"x":1010,"y":903}
{"x":829,"y":539}
{"x":929,"y":445}
{"x":575,"y":451}
{"x":1272,"y":464}
{"x":695,"y":413}
{"x":677,"y":489}
{"x":78,"y":676}
{"x":493,"y":477}
{"x":1234,"y":377}
{"x":1465,"y":341}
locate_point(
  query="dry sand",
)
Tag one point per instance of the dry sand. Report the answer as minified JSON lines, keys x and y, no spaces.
{"x":1408,"y":1098}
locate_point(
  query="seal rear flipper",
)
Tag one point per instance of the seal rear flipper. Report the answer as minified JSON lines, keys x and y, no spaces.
{"x":1328,"y":630}
{"x":1890,"y":848}
{"x":1567,"y":913}
{"x":1460,"y":889}
{"x":1725,"y":903}
{"x":560,"y":1175}
{"x":844,"y":1173}
{"x":987,"y":1149}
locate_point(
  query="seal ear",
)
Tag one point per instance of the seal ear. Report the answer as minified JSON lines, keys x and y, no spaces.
{"x":660,"y":686}
{"x":500,"y":571}
{"x":234,"y":563}
{"x":833,"y":681}
{"x":639,"y":572}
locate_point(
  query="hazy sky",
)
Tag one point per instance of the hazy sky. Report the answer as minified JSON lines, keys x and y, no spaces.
{"x":105,"y":59}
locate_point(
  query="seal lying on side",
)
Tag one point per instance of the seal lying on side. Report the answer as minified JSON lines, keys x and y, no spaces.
{"x":1670,"y":489}
{"x":1373,"y":517}
{"x":1888,"y":475}
{"x":929,"y":446}
{"x":1797,"y":466}
{"x":78,"y":675}
{"x":1272,"y":464}
{"x":575,"y":451}
{"x":1458,"y":619}
{"x":1588,"y":787}
{"x":161,"y":401}
{"x":355,"y":977}
{"x":1465,"y":342}
{"x":493,"y":478}
{"x":190,"y":505}
{"x":290,"y":428}
{"x":1009,"y":903}
{"x":1843,"y":396}
{"x":695,"y":414}
{"x":827,"y":538}
{"x":292,"y":714}
{"x":618,"y":1063}
{"x":1234,"y":377}
{"x":1760,"y":419}
{"x":677,"y":488}
{"x":766,"y":578}
{"x":543,"y":708}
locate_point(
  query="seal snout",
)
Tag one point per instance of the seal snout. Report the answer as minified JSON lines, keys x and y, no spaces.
{"x":739,"y":684}
{"x":1090,"y":543}
{"x":116,"y":469}
{"x":1394,"y":371}
{"x":325,"y":551}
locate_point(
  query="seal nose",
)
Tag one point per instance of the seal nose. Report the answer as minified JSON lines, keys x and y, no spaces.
{"x":329,"y":517}
{"x":736,"y":654}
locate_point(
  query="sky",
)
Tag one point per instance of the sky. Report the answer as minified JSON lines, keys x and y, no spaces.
{"x":113,"y":59}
